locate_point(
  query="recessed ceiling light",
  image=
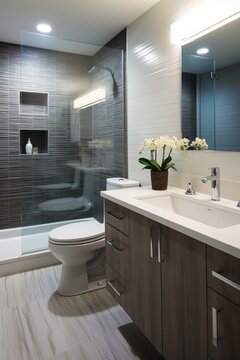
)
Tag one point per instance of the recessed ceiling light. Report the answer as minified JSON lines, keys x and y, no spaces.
{"x":202,"y":51}
{"x":44,"y":28}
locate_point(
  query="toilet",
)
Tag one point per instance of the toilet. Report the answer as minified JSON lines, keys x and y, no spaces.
{"x":77,"y":243}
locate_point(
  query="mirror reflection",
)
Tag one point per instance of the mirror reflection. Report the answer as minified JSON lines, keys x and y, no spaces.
{"x":211,"y":88}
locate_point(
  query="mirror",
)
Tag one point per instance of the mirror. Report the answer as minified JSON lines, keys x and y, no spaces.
{"x":211,"y":88}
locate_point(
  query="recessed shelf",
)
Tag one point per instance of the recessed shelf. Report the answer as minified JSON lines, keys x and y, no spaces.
{"x":39,"y":140}
{"x":33,"y":103}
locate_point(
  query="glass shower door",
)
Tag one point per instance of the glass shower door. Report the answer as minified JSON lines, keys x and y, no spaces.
{"x":74,"y":148}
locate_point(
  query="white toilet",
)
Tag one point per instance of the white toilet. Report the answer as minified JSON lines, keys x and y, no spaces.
{"x":75,"y":244}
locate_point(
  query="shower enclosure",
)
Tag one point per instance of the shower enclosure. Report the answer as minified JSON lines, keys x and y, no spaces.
{"x":68,"y":99}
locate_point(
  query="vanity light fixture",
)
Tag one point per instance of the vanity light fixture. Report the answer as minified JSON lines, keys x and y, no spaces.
{"x":44,"y":28}
{"x":202,"y":51}
{"x":90,"y":99}
{"x":195,"y":23}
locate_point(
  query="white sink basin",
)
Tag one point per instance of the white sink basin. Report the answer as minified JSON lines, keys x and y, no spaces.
{"x":199,"y":210}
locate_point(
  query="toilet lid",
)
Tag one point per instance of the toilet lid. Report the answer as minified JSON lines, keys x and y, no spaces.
{"x":79,"y":232}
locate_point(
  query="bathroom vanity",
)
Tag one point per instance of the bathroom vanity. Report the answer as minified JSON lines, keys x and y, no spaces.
{"x":175,"y":277}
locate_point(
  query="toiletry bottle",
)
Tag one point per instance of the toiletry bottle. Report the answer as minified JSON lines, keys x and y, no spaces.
{"x":28,"y":147}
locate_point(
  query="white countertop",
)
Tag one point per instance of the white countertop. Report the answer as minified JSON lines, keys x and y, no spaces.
{"x":226,"y":239}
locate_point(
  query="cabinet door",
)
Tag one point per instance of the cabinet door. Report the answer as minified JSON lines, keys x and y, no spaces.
{"x":184,"y":297}
{"x":223,"y":328}
{"x":146,"y":278}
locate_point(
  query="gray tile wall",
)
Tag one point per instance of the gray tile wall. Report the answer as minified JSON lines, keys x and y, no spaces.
{"x":109,"y":118}
{"x":58,"y":74}
{"x":189,"y":104}
{"x":64,"y":77}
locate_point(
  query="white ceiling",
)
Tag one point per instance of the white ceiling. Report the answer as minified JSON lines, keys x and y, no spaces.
{"x":87,"y":21}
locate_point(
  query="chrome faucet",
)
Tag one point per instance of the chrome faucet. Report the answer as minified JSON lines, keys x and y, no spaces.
{"x":215,"y":182}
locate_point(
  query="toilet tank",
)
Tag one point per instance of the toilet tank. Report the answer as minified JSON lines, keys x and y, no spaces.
{"x":120,"y":183}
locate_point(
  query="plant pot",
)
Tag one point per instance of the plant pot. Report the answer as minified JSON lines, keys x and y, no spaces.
{"x":159,"y":180}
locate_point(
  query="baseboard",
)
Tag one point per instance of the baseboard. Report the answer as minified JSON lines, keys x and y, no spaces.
{"x":27,"y":262}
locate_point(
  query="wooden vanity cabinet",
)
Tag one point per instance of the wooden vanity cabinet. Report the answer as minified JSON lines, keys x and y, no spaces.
{"x":183,"y":295}
{"x":168,"y":289}
{"x":166,"y":294}
{"x":223,"y":276}
{"x":146,"y":288}
{"x":118,"y":254}
{"x":184,"y":300}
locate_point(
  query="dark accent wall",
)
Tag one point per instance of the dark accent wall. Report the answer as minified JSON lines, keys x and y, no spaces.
{"x":189,"y":108}
{"x":220,"y":109}
{"x":109,"y":118}
{"x":64,"y":77}
{"x":22,"y":177}
{"x":206,"y":109}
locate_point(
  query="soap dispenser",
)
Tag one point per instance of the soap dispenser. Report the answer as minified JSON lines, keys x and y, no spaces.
{"x":28,"y":147}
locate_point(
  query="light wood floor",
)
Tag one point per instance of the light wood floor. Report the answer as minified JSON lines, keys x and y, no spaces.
{"x":38,"y":324}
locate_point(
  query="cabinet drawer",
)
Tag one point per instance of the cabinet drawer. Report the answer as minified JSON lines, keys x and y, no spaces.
{"x":117,"y":251}
{"x":224,"y":274}
{"x":116,"y":216}
{"x":223,"y":328}
{"x":119,"y":289}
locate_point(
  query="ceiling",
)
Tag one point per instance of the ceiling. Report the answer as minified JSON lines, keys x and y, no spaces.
{"x":87,"y":21}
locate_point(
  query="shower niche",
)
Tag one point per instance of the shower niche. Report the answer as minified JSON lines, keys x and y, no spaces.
{"x":33,"y":103}
{"x":38,"y":138}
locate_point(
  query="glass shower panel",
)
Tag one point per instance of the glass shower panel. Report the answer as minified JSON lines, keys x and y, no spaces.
{"x":74,"y":148}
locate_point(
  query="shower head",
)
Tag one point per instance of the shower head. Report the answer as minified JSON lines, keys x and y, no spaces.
{"x":95,"y":68}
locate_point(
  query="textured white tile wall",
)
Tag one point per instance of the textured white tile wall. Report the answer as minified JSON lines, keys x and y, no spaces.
{"x":154,"y":93}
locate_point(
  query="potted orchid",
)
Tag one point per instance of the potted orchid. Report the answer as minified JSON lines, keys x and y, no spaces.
{"x":159,"y":167}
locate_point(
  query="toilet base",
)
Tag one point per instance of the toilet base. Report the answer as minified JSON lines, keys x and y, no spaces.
{"x":74,"y":281}
{"x":92,"y":286}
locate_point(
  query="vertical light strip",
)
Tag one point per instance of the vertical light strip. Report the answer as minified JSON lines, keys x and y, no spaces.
{"x":90,"y":99}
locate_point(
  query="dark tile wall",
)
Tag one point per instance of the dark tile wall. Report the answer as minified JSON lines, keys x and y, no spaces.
{"x":189,"y":106}
{"x":64,"y":76}
{"x":22,"y":177}
{"x":109,"y":118}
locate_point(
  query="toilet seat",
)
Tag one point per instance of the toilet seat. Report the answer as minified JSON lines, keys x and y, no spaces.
{"x":81,"y":232}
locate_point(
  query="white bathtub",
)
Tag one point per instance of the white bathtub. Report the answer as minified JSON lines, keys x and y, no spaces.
{"x":18,"y":241}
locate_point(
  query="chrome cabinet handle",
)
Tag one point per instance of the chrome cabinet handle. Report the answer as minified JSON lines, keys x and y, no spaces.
{"x":151,"y":243}
{"x":160,"y":255}
{"x":115,"y":216}
{"x":214,"y":327}
{"x":118,"y":292}
{"x":226,"y":280}
{"x":116,"y":247}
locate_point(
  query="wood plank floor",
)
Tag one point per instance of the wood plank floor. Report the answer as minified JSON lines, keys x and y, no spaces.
{"x":38,"y":324}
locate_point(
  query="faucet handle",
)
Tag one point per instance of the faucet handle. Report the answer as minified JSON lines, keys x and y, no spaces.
{"x":215,"y":170}
{"x":238,"y":204}
{"x":190,"y":189}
